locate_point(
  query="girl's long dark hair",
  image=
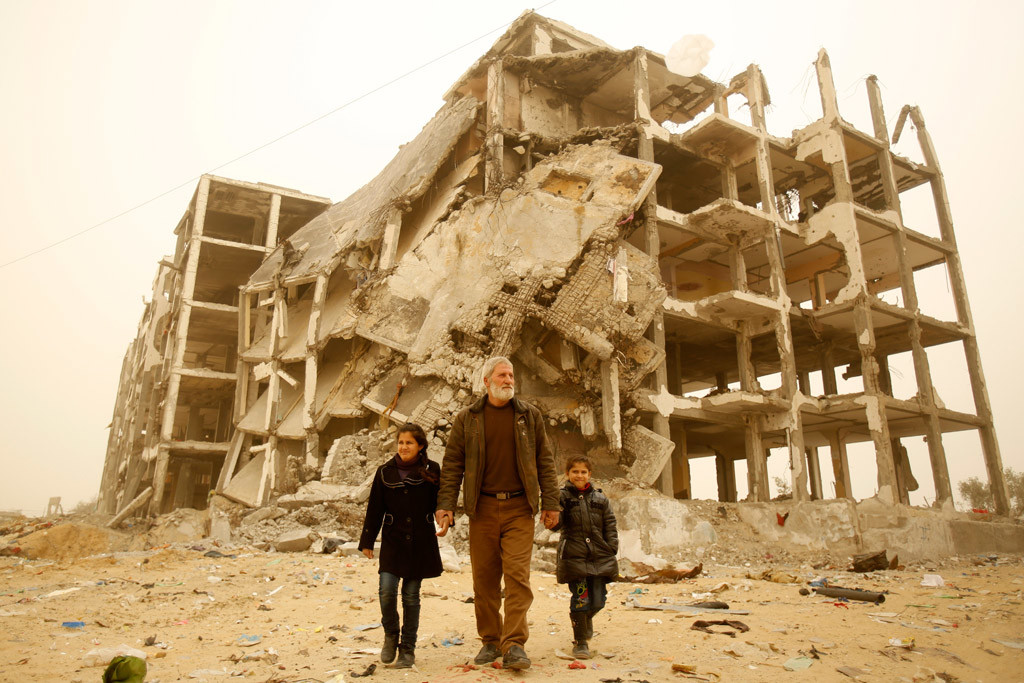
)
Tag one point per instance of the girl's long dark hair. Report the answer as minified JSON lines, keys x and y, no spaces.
{"x":421,"y":439}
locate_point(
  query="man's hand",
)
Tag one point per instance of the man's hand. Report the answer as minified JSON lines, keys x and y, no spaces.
{"x":368,"y":552}
{"x":550,"y":518}
{"x":444,"y":519}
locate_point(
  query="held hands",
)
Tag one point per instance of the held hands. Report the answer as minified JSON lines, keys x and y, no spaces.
{"x":368,"y":552}
{"x":444,"y":519}
{"x":550,"y":518}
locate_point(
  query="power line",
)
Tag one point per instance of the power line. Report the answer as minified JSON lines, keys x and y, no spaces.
{"x":266,"y":144}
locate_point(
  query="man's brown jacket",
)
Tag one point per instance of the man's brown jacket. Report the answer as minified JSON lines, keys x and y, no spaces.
{"x":464,"y":458}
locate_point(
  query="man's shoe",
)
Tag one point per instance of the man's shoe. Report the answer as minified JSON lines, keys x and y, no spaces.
{"x":515,"y":658}
{"x":488,"y":653}
{"x":580,"y":650}
{"x":406,"y":658}
{"x":387,"y":651}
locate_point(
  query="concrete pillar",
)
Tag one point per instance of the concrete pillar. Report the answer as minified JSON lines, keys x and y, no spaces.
{"x":188,"y":284}
{"x":814,"y":472}
{"x":494,"y":156}
{"x":652,"y":245}
{"x":273,"y":218}
{"x":726,"y":471}
{"x":875,"y":397}
{"x":757,"y":461}
{"x":840,"y":465}
{"x":777,"y":278}
{"x":680,"y":464}
{"x":979,"y":389}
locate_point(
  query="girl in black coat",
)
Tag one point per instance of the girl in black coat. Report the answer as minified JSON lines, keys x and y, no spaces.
{"x":403,"y":498}
{"x":587,"y":550}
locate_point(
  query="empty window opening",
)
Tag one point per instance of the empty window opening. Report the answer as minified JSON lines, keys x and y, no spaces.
{"x":849,"y":380}
{"x":902,"y":377}
{"x":950,"y":379}
{"x":739,"y":110}
{"x":780,"y":480}
{"x":921,"y":471}
{"x":703,"y":478}
{"x":863,"y":469}
{"x":917,"y":205}
{"x":935,"y":292}
{"x":967,"y":472}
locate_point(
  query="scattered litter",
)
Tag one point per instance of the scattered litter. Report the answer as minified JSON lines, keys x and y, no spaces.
{"x":905,"y":643}
{"x":774,"y":575}
{"x":932,"y":581}
{"x":575,"y":664}
{"x":852,"y":671}
{"x":366,"y":627}
{"x":368,"y":671}
{"x":455,"y":640}
{"x":217,"y":553}
{"x":870,"y":562}
{"x":246,"y":640}
{"x":1016,"y":644}
{"x":63,"y":591}
{"x":798,"y":663}
{"x":690,"y":610}
{"x":202,"y":673}
{"x":732,"y":627}
{"x":74,"y":624}
{"x":101,"y":656}
{"x":851,"y":594}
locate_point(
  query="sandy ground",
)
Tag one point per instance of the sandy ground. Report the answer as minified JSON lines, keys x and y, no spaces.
{"x":310,"y":614}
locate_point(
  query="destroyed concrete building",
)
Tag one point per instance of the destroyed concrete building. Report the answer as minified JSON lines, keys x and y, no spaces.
{"x":650,"y":263}
{"x":172,"y":419}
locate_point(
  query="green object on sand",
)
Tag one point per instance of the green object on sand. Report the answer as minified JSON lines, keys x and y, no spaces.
{"x":125,"y":669}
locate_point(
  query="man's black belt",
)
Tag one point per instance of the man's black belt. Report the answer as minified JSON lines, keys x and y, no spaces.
{"x":503,"y":495}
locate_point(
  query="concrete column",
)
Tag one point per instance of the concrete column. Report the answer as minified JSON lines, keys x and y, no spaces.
{"x":777,"y":278}
{"x":922,"y":371}
{"x":814,"y":472}
{"x":680,"y":465}
{"x":494,"y":157}
{"x":652,"y":245}
{"x":757,"y":461}
{"x":840,"y":465}
{"x":989,"y":444}
{"x":273,"y":218}
{"x":863,"y":329}
{"x":188,"y":285}
{"x":726,"y":471}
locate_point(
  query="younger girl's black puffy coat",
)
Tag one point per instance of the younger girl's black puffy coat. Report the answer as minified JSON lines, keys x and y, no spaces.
{"x":405,"y":508}
{"x":590,"y":537}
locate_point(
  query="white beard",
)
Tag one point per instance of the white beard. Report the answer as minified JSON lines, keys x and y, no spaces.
{"x":502,"y":393}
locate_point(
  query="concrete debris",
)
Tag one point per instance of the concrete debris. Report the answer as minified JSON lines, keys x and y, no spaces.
{"x":649,"y":262}
{"x":296,"y":540}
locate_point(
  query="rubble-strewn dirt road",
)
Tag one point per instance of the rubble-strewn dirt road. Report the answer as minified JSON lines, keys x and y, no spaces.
{"x":308,"y":613}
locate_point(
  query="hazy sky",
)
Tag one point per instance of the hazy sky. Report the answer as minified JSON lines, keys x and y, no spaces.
{"x":108,"y":104}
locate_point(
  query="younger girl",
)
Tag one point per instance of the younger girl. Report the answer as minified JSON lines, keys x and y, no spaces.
{"x":403,"y":498}
{"x":586,"y":551}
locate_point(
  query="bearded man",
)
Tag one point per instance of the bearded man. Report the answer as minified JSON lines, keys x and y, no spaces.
{"x":498,"y":452}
